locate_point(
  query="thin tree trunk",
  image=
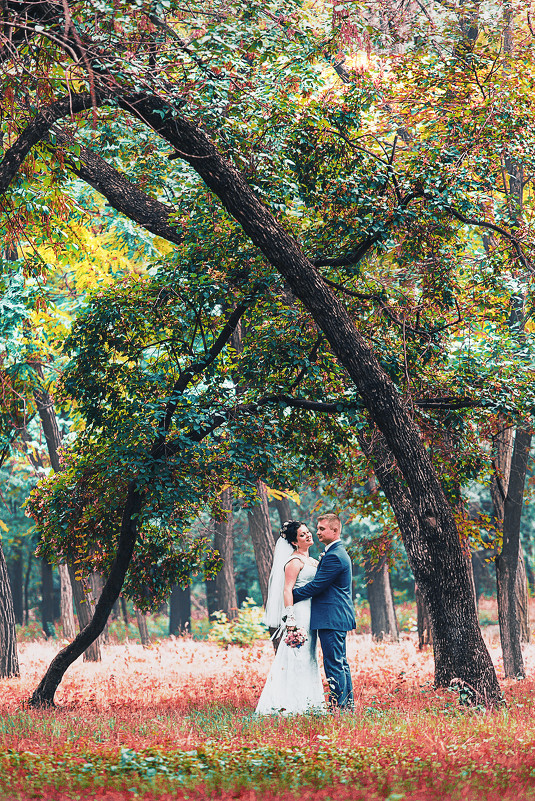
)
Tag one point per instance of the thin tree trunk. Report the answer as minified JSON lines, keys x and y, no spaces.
{"x":262,"y":537}
{"x":27,"y":588}
{"x":423,"y":620}
{"x":507,"y":560}
{"x":43,"y":695}
{"x":47,"y":599}
{"x":97,"y":583}
{"x":49,"y":423}
{"x":522,"y":598}
{"x":384,"y":624}
{"x":211,"y":597}
{"x":124,"y":610}
{"x":224,"y":584}
{"x":83,"y":600}
{"x":17,"y":585}
{"x":9,"y":663}
{"x":143,"y":628}
{"x":282,"y":506}
{"x":180,"y":610}
{"x":67,"y":611}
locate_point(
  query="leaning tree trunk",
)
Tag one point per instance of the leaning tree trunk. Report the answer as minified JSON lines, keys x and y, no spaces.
{"x":262,"y":537}
{"x":9,"y":663}
{"x":507,"y":560}
{"x":432,"y":541}
{"x":384,"y":624}
{"x":43,"y":695}
{"x":49,"y":423}
{"x":180,"y":610}
{"x":461,"y":656}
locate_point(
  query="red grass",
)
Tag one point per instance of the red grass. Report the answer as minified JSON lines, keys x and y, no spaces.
{"x":182,"y":695}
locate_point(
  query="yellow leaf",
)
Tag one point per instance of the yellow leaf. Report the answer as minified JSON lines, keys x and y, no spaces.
{"x":279,"y":494}
{"x":3,"y":526}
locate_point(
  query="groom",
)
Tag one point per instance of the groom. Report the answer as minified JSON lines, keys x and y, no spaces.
{"x":332,"y":612}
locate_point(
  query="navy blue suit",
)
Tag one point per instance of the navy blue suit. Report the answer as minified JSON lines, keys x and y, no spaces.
{"x":333,"y":615}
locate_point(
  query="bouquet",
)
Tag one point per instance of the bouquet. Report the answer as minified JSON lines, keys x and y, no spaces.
{"x":296,"y":638}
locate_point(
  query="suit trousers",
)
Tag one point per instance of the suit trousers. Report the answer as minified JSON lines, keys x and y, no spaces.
{"x":333,"y":646}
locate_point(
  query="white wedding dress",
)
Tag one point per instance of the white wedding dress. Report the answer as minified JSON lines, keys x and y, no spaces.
{"x":294,"y":683}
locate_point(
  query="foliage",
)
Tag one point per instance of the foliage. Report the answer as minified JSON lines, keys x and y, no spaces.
{"x":244,"y":629}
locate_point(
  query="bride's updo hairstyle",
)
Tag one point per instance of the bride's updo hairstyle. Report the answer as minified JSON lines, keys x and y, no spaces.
{"x":289,"y":531}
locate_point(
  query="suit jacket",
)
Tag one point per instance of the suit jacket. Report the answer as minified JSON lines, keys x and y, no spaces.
{"x":332,"y":605}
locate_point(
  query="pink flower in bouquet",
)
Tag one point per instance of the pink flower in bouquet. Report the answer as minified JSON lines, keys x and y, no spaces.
{"x":296,"y":638}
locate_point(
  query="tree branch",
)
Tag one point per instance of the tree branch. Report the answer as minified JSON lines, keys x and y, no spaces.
{"x":123,"y":195}
{"x":38,"y":129}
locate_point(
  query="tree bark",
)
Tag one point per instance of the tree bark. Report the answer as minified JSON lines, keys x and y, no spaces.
{"x":9,"y":663}
{"x":222,"y":588}
{"x":262,"y":537}
{"x":507,"y":560}
{"x":123,"y":195}
{"x":85,"y":609}
{"x":384,"y":624}
{"x":282,"y":506}
{"x":143,"y":628}
{"x":423,"y":621}
{"x":67,"y":611}
{"x":47,"y":599}
{"x":17,"y":585}
{"x":461,"y":656}
{"x":27,"y":588}
{"x":180,"y":610}
{"x":97,"y":583}
{"x":522,"y":598}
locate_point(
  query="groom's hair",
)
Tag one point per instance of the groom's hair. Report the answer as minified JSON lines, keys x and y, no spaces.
{"x":333,"y":520}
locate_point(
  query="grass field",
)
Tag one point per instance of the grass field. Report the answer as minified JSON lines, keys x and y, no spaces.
{"x":177,"y":721}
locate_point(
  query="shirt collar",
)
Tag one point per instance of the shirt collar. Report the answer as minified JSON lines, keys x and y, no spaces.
{"x":330,"y":545}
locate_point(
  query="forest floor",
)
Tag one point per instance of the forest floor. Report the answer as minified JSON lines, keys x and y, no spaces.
{"x":176,"y":721}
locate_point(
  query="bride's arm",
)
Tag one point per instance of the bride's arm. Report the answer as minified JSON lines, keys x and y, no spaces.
{"x":291,"y":571}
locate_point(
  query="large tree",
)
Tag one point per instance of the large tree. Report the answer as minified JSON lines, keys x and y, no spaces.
{"x":198,"y":82}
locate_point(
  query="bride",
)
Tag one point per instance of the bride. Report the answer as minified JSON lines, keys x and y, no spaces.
{"x":294,"y":683}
